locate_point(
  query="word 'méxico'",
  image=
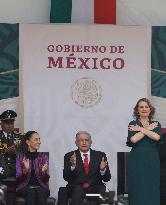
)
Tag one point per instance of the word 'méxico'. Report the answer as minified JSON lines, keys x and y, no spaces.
{"x":85,"y":56}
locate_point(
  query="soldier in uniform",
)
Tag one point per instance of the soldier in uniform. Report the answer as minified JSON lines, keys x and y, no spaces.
{"x":9,"y":141}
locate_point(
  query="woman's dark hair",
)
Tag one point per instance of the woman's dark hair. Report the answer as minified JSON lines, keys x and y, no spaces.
{"x":152,"y":109}
{"x":27,"y":136}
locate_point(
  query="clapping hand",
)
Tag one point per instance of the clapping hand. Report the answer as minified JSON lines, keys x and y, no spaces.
{"x":44,"y":168}
{"x":73,"y":160}
{"x":103,"y":164}
{"x":26,"y":164}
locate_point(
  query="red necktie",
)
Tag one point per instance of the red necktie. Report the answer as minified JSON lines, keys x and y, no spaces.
{"x":86,"y":168}
{"x":86,"y":164}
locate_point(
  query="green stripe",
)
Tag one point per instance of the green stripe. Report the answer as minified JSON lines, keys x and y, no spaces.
{"x":60,"y":11}
{"x":9,"y":85}
{"x":9,"y":47}
{"x":158,"y":84}
{"x":158,"y":58}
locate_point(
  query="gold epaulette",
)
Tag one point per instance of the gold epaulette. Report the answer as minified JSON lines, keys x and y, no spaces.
{"x":19,"y":133}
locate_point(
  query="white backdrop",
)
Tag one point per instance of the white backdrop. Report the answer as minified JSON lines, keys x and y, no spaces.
{"x":134,"y":12}
{"x":60,"y":100}
{"x":25,"y":11}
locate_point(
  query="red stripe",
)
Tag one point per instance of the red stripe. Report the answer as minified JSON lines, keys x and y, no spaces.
{"x":105,"y":11}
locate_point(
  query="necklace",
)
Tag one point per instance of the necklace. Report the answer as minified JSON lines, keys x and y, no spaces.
{"x":145,"y":123}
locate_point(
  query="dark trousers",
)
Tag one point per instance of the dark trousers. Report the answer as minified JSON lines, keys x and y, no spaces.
{"x":34,"y":196}
{"x":163,"y":187}
{"x":77,"y":193}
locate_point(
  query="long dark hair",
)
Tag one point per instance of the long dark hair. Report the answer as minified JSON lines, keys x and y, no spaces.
{"x":27,"y":136}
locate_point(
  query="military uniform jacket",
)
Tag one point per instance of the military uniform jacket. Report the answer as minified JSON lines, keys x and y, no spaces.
{"x":15,"y":139}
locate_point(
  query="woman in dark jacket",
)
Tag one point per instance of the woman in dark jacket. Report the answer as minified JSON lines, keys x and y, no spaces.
{"x":32,"y":172}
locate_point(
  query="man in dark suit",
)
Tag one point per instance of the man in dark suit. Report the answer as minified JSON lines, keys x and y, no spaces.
{"x":9,"y":141}
{"x":84,"y":170}
{"x":162,"y":154}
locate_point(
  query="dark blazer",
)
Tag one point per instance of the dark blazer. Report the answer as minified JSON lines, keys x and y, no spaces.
{"x":78,"y":176}
{"x":162,"y":154}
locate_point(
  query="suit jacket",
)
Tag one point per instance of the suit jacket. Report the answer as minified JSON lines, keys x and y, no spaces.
{"x":23,"y":179}
{"x":162,"y":155}
{"x":162,"y":152}
{"x":78,"y":175}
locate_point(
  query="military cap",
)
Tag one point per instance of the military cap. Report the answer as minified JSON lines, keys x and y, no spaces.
{"x":8,"y":116}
